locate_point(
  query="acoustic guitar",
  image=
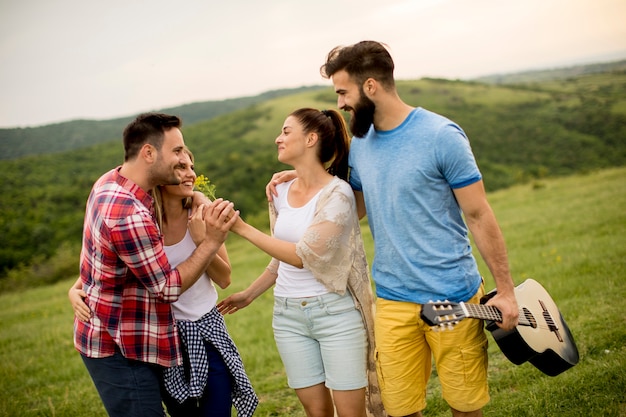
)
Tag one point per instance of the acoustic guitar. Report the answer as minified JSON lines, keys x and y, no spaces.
{"x":541,"y":336}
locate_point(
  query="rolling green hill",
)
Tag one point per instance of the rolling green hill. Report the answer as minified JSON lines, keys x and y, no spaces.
{"x":519,"y":133}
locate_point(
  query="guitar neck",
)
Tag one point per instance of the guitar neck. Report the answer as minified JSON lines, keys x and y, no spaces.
{"x":484,"y":312}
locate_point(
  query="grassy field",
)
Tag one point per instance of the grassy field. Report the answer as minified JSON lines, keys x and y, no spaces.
{"x":569,"y":234}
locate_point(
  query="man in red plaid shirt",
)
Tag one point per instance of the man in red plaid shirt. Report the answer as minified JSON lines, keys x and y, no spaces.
{"x":128,"y":281}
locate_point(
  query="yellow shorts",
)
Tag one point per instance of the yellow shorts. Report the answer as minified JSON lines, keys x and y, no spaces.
{"x":405,"y":346}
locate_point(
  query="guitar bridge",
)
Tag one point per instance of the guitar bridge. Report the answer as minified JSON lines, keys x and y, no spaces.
{"x":550,"y":321}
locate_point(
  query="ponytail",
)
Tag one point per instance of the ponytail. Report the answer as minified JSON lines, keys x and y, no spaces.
{"x":339,"y":163}
{"x":333,"y":135}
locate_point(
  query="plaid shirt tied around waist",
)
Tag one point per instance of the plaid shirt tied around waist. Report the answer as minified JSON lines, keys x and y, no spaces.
{"x":212,"y":328}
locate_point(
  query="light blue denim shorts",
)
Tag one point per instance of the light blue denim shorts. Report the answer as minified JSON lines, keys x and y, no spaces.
{"x":321,"y":339}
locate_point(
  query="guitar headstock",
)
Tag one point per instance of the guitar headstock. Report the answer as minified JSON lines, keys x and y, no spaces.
{"x":443,"y":314}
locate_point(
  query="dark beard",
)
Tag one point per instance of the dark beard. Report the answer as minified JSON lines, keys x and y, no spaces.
{"x":362,"y":117}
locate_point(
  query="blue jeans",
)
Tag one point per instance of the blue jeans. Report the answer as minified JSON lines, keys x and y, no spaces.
{"x":127,"y":388}
{"x":216,"y":399}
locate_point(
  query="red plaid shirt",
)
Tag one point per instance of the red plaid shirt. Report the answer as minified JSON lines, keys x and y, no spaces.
{"x":127,"y":277}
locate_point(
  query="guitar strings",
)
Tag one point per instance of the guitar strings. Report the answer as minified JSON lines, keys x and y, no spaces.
{"x":526,"y":316}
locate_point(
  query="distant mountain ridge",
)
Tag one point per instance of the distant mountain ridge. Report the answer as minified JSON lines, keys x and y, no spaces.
{"x":541,"y":75}
{"x":76,"y":134}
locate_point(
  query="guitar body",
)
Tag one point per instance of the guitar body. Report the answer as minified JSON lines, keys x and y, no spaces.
{"x":549,"y":346}
{"x":541,"y":337}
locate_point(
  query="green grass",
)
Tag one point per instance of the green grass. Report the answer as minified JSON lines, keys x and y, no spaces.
{"x":569,"y":234}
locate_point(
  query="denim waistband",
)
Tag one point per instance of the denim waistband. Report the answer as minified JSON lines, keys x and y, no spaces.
{"x":310,"y":302}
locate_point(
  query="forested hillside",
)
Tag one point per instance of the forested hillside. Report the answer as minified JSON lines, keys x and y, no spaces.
{"x":520,"y":133}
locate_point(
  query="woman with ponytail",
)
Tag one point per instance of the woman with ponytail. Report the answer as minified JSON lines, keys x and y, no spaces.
{"x":323,"y":301}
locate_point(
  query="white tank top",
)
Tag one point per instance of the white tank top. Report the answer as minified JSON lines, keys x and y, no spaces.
{"x":201,"y":297}
{"x":291,"y":224}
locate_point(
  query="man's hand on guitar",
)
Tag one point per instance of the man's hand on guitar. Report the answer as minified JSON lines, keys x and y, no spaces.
{"x":507,"y":304}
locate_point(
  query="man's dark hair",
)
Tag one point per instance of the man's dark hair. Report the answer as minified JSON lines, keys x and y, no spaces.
{"x":147,"y":128}
{"x":363,"y":60}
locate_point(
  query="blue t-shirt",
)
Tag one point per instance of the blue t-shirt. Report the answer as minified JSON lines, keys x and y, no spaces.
{"x":421,"y":243}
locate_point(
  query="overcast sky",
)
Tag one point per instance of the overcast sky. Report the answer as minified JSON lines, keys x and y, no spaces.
{"x":67,"y":59}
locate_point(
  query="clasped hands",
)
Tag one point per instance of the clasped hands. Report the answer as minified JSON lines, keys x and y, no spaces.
{"x":212,"y":220}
